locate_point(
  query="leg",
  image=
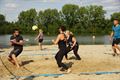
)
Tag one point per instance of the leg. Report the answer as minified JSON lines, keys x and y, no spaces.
{"x":14,"y":58}
{"x":75,"y":50}
{"x":66,"y":56}
{"x":40,"y":45}
{"x":114,"y":49}
{"x":10,"y":59}
{"x":57,"y":59}
{"x":68,"y":50}
{"x":117,"y":47}
{"x":59,"y":56}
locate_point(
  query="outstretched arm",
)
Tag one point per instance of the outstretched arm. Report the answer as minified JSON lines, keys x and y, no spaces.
{"x":111,"y":35}
{"x":57,"y":40}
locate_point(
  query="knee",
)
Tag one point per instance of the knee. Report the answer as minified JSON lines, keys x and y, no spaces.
{"x":9,"y":56}
{"x":13,"y":55}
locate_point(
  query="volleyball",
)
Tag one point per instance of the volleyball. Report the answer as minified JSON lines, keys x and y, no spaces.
{"x":34,"y":28}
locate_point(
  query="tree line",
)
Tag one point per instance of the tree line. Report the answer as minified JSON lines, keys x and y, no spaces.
{"x":88,"y":20}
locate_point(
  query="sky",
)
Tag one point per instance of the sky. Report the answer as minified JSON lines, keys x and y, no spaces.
{"x":12,"y":8}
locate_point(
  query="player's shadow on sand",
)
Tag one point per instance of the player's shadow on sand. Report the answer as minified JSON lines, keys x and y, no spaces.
{"x":69,"y":65}
{"x":1,"y":51}
{"x":26,"y":62}
{"x":73,"y":58}
{"x":113,"y":54}
{"x":109,"y":53}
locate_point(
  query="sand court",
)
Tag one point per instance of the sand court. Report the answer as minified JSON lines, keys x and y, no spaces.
{"x":41,"y":65}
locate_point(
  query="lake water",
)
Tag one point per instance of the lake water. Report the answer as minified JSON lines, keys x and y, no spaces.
{"x":86,"y":40}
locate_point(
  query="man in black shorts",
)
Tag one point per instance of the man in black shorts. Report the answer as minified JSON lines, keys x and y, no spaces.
{"x":17,"y":42}
{"x":116,"y":36}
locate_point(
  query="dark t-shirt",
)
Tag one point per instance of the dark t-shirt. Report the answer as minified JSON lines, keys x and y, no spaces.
{"x":17,"y":38}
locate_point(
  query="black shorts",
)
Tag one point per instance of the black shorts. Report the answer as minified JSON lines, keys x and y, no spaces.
{"x":40,"y":40}
{"x":16,"y":52}
{"x":116,"y":41}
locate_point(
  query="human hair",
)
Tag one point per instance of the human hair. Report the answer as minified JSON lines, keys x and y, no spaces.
{"x":116,"y":19}
{"x":67,"y":31}
{"x":62,"y":28}
{"x":71,"y":33}
{"x":15,"y":30}
{"x":40,"y":30}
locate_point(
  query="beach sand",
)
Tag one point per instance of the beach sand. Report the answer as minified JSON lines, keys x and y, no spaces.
{"x":95,"y":58}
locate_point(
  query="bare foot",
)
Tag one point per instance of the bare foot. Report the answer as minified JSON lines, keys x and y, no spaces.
{"x":18,"y":66}
{"x":10,"y":60}
{"x":21,"y":64}
{"x":13,"y":62}
{"x":69,"y":70}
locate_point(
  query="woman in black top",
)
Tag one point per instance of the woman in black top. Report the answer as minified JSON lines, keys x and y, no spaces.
{"x":61,"y":41}
{"x":72,"y":45}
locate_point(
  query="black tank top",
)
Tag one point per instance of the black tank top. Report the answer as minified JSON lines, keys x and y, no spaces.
{"x":62,"y":43}
{"x":70,"y":42}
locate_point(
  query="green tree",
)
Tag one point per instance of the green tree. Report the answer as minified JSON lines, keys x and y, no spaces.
{"x":2,"y":18}
{"x":91,"y":19}
{"x":87,"y":20}
{"x":49,"y":20}
{"x":69,"y":12}
{"x":115,"y":15}
{"x":27,"y":19}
